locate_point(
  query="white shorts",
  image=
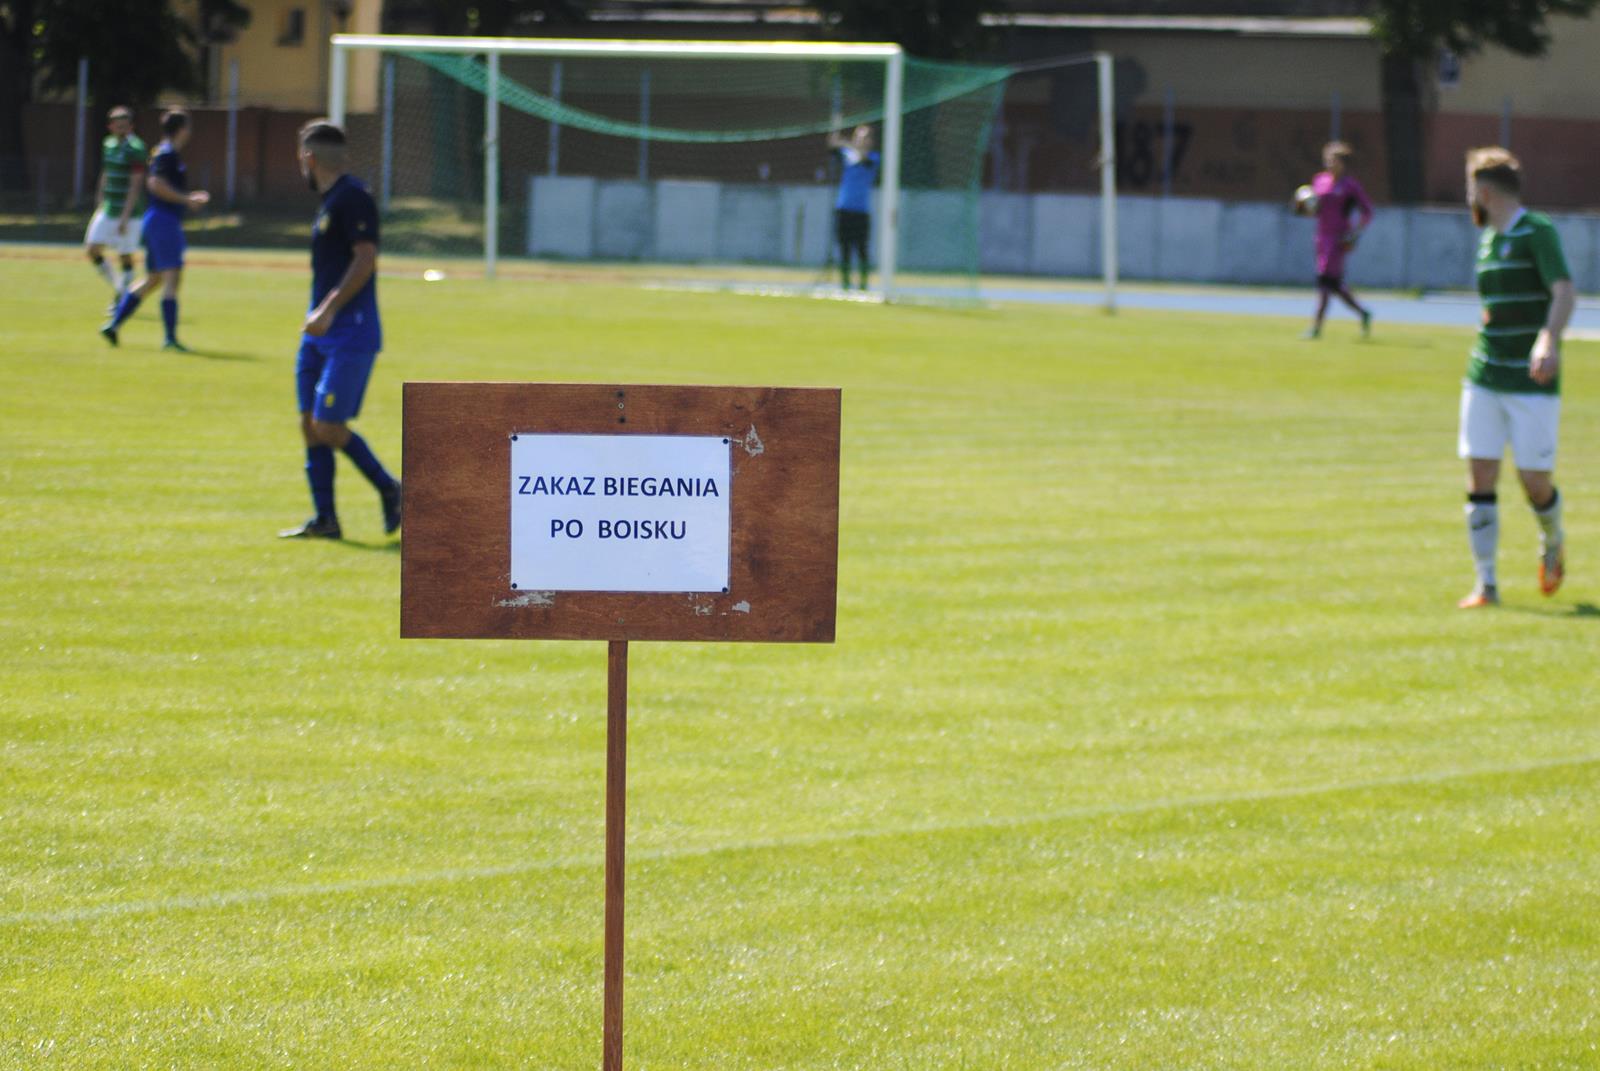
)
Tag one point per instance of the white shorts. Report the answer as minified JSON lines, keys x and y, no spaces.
{"x":1490,"y":419}
{"x":103,"y":231}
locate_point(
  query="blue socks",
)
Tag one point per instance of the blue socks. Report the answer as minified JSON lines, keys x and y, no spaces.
{"x":357,"y":450}
{"x":125,"y":309}
{"x":169,"y":317}
{"x":319,"y":474}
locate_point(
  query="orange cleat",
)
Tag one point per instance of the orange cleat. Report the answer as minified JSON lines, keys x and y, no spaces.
{"x":1552,"y":569}
{"x":1481,"y":597}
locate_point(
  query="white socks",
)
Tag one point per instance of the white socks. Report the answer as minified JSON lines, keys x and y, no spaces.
{"x":1483,"y":529}
{"x":1549,"y":520}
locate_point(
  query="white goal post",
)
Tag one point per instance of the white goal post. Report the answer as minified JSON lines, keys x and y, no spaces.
{"x":891,"y":57}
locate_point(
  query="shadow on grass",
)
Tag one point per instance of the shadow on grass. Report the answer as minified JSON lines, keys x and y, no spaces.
{"x":219,"y":355}
{"x":388,"y":546}
{"x":1587,"y":610}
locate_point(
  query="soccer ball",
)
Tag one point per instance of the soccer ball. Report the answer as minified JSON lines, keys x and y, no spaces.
{"x":1305,"y":201}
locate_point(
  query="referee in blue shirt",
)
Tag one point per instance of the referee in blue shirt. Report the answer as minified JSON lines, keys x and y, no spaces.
{"x":342,"y":335}
{"x":858,"y":173}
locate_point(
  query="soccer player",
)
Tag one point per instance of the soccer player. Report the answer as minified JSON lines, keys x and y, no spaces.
{"x":858,"y":171}
{"x":170,"y":199}
{"x":342,"y":336}
{"x":1339,"y":196}
{"x":1513,"y":388}
{"x":122,"y":162}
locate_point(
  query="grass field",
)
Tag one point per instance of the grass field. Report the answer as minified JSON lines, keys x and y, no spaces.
{"x":1152,"y":738}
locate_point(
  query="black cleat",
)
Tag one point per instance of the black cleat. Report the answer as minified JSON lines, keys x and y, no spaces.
{"x":109,"y":333}
{"x":315,"y":528}
{"x":391,"y":509}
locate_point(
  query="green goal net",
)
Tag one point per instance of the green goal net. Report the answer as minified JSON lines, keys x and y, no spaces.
{"x":717,"y":169}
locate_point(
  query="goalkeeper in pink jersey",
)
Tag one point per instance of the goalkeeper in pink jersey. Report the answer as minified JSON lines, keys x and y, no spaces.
{"x":1339,"y":197}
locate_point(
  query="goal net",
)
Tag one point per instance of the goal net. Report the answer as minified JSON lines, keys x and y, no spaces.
{"x":713,"y":161}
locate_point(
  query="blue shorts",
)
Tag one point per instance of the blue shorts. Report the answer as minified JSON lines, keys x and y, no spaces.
{"x":332,"y":379}
{"x":163,"y":242}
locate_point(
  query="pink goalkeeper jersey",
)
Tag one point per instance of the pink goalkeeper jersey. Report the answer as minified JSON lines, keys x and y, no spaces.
{"x":1337,"y":201}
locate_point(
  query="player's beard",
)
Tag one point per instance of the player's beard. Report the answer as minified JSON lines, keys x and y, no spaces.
{"x":311,"y":180}
{"x":1480,"y":215}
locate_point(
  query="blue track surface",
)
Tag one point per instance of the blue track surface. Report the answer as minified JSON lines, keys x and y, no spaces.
{"x":1444,"y":310}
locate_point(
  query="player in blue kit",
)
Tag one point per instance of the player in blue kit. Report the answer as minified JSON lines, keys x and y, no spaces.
{"x":858,"y":173}
{"x":342,"y":335}
{"x":170,"y":200}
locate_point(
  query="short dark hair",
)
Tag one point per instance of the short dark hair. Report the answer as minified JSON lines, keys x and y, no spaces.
{"x":322,"y":132}
{"x":1497,"y":167}
{"x":173,"y":120}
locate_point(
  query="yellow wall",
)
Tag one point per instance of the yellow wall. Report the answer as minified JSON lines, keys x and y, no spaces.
{"x":295,"y":76}
{"x":1226,"y":71}
{"x":1561,"y":85}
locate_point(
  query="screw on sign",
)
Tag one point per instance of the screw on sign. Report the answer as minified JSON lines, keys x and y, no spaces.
{"x":619,"y":513}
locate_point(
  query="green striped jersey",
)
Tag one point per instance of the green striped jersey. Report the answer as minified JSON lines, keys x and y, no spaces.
{"x":1515,"y":273}
{"x":118,"y":159}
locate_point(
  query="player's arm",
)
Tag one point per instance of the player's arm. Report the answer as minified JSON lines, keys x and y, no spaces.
{"x":1546,"y":358}
{"x":836,"y":140}
{"x":1364,"y":203}
{"x":363,"y":265}
{"x":163,"y":190}
{"x":135,"y":174}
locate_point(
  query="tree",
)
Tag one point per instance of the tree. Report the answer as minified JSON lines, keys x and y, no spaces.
{"x":933,"y":29}
{"x":136,"y":50}
{"x":1411,"y":33}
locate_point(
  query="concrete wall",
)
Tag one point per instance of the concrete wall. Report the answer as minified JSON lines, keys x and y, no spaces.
{"x":1192,"y":240}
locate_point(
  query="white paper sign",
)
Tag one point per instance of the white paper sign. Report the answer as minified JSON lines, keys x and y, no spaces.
{"x":620,"y":512}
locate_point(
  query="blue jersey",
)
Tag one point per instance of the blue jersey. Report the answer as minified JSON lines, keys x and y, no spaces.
{"x":856,"y":180}
{"x":348,"y":215}
{"x":167,"y":165}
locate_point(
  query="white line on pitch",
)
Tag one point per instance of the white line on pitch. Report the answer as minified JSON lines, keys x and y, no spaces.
{"x":211,"y":901}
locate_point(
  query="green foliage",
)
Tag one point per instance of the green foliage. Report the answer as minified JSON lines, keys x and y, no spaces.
{"x":1417,"y":29}
{"x":935,"y":29}
{"x":136,"y":49}
{"x":1152,"y":738}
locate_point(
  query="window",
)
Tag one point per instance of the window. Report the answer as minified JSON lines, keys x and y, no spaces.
{"x":294,"y":27}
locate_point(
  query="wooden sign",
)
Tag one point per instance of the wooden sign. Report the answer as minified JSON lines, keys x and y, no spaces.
{"x":487,"y":462}
{"x":592,"y":512}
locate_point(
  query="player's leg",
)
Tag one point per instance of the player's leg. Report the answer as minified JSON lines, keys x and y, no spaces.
{"x":1482,"y":439}
{"x":95,"y":239}
{"x":171,"y":280}
{"x":128,"y":242}
{"x":864,"y":244}
{"x":841,"y":234}
{"x":341,"y":390}
{"x":310,"y":365}
{"x":1535,"y":420}
{"x":163,"y":252}
{"x":1323,"y":294}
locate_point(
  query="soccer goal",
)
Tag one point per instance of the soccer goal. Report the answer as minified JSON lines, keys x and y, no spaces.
{"x":702,"y":154}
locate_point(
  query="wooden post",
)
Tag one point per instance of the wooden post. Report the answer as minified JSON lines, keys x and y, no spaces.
{"x":616,"y":822}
